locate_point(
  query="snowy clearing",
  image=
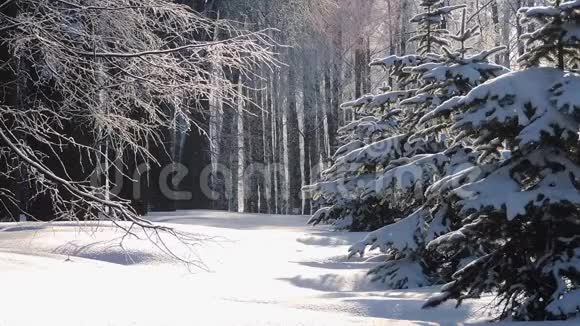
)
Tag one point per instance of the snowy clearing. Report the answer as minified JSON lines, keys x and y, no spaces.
{"x":263,"y":270}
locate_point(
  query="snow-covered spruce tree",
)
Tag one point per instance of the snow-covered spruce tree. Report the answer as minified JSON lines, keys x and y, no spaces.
{"x":524,"y":212}
{"x":409,"y":263}
{"x":357,"y":162}
{"x":367,"y":143}
{"x":432,"y":33}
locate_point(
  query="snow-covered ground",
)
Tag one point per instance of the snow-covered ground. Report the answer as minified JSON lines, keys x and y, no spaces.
{"x":258,"y":270}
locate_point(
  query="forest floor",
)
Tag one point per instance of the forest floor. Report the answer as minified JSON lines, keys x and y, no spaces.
{"x":258,"y":270}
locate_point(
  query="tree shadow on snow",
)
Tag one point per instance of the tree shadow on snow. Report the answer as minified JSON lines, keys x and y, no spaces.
{"x":314,"y":240}
{"x":403,"y":308}
{"x":106,"y":251}
{"x":231,"y":220}
{"x":333,"y":283}
{"x":379,"y":302}
{"x":23,"y":227}
{"x":339,"y":265}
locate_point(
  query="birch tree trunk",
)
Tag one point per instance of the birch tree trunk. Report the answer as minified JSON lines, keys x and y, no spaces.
{"x":274,"y":99}
{"x":267,"y":149}
{"x":292,"y":152}
{"x":241,"y":162}
{"x":336,"y":98}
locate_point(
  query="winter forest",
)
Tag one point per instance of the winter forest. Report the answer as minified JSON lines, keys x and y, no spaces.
{"x":292,"y":162}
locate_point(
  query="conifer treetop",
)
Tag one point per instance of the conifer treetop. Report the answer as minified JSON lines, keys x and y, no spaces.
{"x":557,"y":39}
{"x":431,"y":32}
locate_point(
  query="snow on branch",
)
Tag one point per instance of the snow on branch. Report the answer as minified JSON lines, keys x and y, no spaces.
{"x":522,"y":99}
{"x":401,"y":236}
